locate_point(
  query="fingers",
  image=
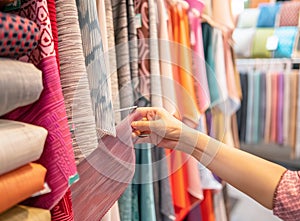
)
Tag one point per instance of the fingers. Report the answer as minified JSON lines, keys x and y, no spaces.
{"x":141,"y":125}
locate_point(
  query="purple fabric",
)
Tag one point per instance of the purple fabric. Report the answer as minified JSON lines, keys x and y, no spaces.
{"x":104,"y":174}
{"x":280,"y":84}
{"x":48,"y":112}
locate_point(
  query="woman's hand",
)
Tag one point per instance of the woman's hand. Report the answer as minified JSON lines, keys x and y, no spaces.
{"x":159,"y":127}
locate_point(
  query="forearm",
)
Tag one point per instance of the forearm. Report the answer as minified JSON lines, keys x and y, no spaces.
{"x":252,"y":175}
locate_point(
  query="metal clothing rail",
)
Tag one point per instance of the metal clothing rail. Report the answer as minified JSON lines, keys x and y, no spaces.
{"x":292,"y":63}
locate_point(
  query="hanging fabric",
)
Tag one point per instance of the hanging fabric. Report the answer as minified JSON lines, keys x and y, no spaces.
{"x":74,"y":80}
{"x":96,"y":69}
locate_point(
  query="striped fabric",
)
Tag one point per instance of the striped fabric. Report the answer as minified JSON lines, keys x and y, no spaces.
{"x":63,"y":211}
{"x":74,"y":80}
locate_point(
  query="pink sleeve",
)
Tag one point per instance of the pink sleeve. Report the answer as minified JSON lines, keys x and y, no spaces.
{"x":287,"y":197}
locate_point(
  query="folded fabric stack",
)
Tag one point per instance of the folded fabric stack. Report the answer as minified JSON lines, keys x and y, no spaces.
{"x":21,"y":144}
{"x":269,"y":31}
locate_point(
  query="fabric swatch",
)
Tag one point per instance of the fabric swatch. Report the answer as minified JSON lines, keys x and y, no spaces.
{"x":18,"y":35}
{"x":289,"y":14}
{"x":262,"y":106}
{"x":259,"y":49}
{"x":27,"y":180}
{"x":243,"y":41}
{"x":242,"y":113}
{"x":286,"y":41}
{"x":48,"y":112}
{"x":293,"y":110}
{"x":74,"y":81}
{"x":96,"y":68}
{"x":109,"y":170}
{"x":20,"y":84}
{"x":268,"y":15}
{"x":25,"y":213}
{"x":20,"y":144}
{"x":248,"y":18}
{"x":280,"y":88}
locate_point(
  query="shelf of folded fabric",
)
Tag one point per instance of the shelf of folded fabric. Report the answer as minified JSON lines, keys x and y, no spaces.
{"x":273,"y":152}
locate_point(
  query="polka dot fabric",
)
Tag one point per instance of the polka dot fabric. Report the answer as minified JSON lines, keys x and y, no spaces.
{"x":18,"y":35}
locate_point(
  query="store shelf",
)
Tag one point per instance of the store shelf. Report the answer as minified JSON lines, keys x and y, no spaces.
{"x":274,"y":153}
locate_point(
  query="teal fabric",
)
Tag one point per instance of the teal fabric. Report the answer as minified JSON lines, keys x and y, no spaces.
{"x":135,"y":190}
{"x":249,"y":119}
{"x":210,"y":63}
{"x":125,"y":203}
{"x":256,"y":108}
{"x":286,"y":37}
{"x":144,"y":179}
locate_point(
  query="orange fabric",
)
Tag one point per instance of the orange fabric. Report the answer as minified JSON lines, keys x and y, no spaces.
{"x":273,"y":132}
{"x":293,"y":110}
{"x":187,"y":99}
{"x":255,"y":3}
{"x":207,"y":208}
{"x":20,"y":184}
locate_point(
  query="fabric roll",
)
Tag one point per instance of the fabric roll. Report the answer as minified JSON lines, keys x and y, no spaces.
{"x":210,"y":63}
{"x":293,"y":110}
{"x":289,"y":14}
{"x":268,"y":107}
{"x":255,"y":111}
{"x":259,"y":49}
{"x":166,"y":71}
{"x":161,"y":186}
{"x":74,"y":81}
{"x":268,"y":15}
{"x":27,"y":180}
{"x":248,"y":18}
{"x":48,"y":112}
{"x":286,"y":41}
{"x":120,"y":20}
{"x":262,"y":106}
{"x":243,"y":38}
{"x":280,"y":97}
{"x":242,"y":114}
{"x":63,"y":210}
{"x":156,"y":90}
{"x":249,"y":120}
{"x":256,"y":3}
{"x":25,"y":213}
{"x":20,"y":84}
{"x":96,"y":69}
{"x":198,"y":68}
{"x":109,"y":169}
{"x":112,"y":71}
{"x":286,"y":107}
{"x":274,"y":106}
{"x":20,"y":144}
{"x":18,"y":35}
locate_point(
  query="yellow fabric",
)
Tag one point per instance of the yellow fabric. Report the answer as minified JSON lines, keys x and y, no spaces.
{"x":25,"y":213}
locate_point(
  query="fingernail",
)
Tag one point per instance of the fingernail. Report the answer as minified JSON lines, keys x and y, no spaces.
{"x":133,"y":124}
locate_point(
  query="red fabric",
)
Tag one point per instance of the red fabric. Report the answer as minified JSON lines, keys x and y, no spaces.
{"x":63,"y":210}
{"x":52,"y":15}
{"x":207,"y":206}
{"x":286,"y":200}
